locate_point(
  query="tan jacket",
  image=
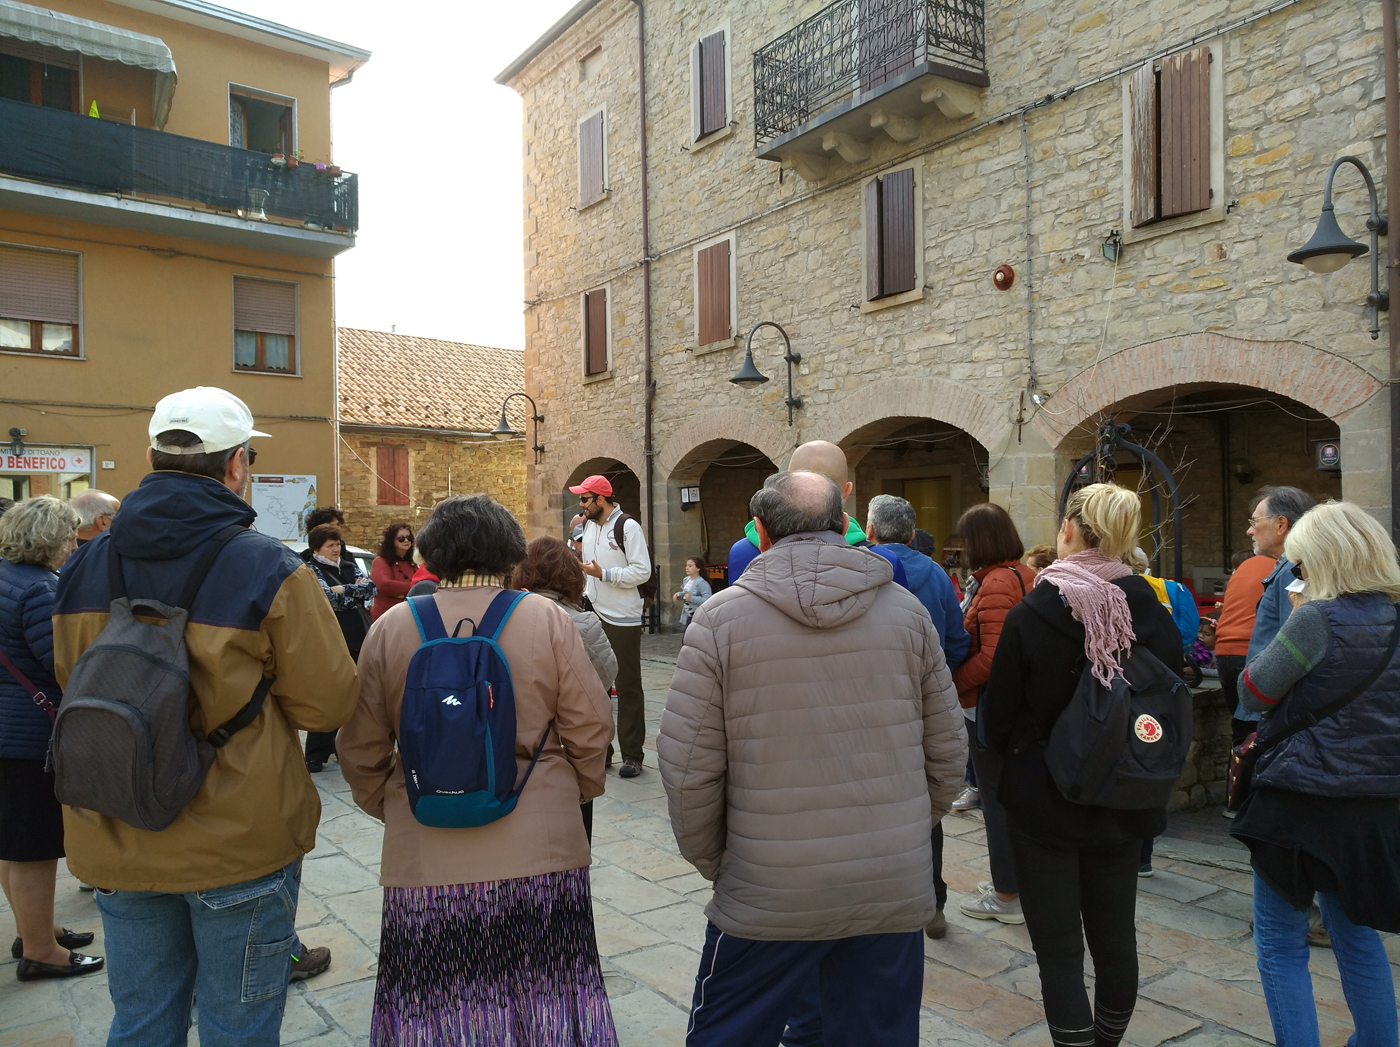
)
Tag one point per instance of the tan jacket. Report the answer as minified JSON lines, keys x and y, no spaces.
{"x":811,"y":736}
{"x":552,"y":680}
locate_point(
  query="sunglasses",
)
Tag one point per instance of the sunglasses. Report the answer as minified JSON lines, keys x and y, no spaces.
{"x":587,"y":499}
{"x":404,"y":538}
{"x":1298,"y":572}
{"x":252,"y":455}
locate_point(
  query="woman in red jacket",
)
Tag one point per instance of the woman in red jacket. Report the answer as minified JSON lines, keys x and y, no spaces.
{"x":999,"y":581}
{"x":392,"y":570}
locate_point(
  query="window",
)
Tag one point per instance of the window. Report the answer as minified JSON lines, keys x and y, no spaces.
{"x":264,"y":326}
{"x":592,"y":159}
{"x":39,"y":82}
{"x":709,"y":86}
{"x":1170,"y":107}
{"x":714,"y":293}
{"x":891,"y":233}
{"x":595,"y":333}
{"x":39,"y":301}
{"x":391,"y":463}
{"x":263,"y":123}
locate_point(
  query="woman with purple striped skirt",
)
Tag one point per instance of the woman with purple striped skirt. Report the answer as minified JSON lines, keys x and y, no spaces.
{"x":488,"y":932}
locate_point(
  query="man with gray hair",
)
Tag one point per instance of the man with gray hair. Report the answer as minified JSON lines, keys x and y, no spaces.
{"x":811,"y":738}
{"x":95,"y":509}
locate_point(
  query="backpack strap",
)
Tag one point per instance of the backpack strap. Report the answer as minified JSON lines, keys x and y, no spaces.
{"x":494,"y":620}
{"x":535,"y":759}
{"x":40,"y":699}
{"x":220,"y":735}
{"x":622,"y":519}
{"x":220,"y":538}
{"x":425,"y":614}
{"x":1018,"y":578}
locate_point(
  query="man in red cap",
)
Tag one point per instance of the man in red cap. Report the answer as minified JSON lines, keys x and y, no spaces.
{"x":616,"y":561}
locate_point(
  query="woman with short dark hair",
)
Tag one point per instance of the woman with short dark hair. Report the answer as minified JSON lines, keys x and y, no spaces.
{"x":346,"y":587}
{"x":393,"y":569}
{"x":488,"y":931}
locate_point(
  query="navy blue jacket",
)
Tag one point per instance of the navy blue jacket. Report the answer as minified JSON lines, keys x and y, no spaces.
{"x":931,"y":584}
{"x":26,"y":637}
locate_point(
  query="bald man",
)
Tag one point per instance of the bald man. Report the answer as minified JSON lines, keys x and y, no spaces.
{"x":815,"y":456}
{"x":95,"y":512}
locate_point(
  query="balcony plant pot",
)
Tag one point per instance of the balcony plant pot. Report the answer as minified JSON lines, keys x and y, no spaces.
{"x":278,"y":160}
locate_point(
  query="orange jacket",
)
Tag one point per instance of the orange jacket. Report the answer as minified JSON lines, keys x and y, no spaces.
{"x":1242,"y":594}
{"x":1000,"y":587}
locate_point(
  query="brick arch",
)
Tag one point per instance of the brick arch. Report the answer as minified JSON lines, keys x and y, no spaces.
{"x":941,"y":399}
{"x":731,"y":425}
{"x":599,"y":444}
{"x":1323,"y":381}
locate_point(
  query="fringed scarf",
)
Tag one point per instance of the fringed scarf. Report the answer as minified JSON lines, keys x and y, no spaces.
{"x":1102,"y":608}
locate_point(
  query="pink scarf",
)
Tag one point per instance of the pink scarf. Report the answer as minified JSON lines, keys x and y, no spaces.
{"x":1083,"y":580}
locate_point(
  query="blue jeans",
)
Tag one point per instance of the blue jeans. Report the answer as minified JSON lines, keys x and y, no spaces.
{"x":232,"y":945}
{"x":1280,"y":941}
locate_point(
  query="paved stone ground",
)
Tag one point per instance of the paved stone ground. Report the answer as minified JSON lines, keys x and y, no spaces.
{"x":1199,"y":983}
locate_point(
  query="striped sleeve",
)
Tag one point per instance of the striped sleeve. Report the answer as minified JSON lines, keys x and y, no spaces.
{"x":1297,"y":649}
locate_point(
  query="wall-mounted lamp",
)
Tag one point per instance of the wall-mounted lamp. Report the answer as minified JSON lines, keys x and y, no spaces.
{"x":1330,"y":248}
{"x":16,"y":444}
{"x":1244,"y":472}
{"x":750,"y":375}
{"x":1003,"y":278}
{"x":1039,"y":399}
{"x":1113,"y":247}
{"x":503,"y":431}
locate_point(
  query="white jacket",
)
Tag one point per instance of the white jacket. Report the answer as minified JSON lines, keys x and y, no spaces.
{"x":614,"y":596}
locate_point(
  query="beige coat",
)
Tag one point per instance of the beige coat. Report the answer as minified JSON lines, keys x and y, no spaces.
{"x":811,"y":737}
{"x":552,"y":680}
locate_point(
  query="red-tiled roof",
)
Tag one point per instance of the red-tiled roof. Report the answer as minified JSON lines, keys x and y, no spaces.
{"x":427,"y":383}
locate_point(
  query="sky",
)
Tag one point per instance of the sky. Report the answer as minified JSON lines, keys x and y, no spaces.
{"x":436,"y":144}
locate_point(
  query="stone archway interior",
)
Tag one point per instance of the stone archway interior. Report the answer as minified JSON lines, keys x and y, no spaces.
{"x":727,"y":482}
{"x":627,"y":488}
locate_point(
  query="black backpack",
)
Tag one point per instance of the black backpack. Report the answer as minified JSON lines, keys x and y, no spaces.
{"x":1123,"y":746}
{"x":646,"y":590}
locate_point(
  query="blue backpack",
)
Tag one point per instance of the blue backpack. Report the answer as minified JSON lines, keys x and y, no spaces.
{"x":457,"y":723}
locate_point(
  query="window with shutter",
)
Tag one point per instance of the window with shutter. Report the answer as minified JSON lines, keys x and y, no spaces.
{"x":886,"y":40}
{"x":1143,"y":99}
{"x":891,"y":261}
{"x":39,"y":75}
{"x":590,"y":159}
{"x":261,"y":122}
{"x":391,"y":465}
{"x":595,"y":332}
{"x":264,"y":326}
{"x":1170,"y":137}
{"x":713,"y":294}
{"x":40,"y":301}
{"x":714,"y":113}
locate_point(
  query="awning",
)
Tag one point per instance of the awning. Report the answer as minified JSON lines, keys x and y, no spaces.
{"x":38,"y":25}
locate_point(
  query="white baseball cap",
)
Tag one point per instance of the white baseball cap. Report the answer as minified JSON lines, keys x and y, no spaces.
{"x":220,"y":420}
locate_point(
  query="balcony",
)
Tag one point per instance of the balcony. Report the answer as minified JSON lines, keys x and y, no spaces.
{"x":59,"y":163}
{"x":859,"y":68}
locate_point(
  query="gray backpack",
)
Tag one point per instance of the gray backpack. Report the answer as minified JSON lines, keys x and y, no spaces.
{"x":122,"y":743}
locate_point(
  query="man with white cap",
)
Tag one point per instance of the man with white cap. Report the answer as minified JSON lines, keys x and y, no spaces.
{"x":209,"y":902}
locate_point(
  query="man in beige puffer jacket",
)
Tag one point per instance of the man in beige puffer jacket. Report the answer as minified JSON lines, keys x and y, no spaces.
{"x":811,"y":737}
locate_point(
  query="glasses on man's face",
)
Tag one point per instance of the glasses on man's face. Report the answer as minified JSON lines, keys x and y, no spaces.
{"x":1260,"y":521}
{"x":252,"y":455}
{"x":587,"y":499}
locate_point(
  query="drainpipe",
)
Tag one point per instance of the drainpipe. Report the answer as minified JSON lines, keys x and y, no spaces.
{"x":1392,"y":269}
{"x":648,"y":384}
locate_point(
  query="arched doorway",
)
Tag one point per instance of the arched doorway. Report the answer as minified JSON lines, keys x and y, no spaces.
{"x":627,"y":488}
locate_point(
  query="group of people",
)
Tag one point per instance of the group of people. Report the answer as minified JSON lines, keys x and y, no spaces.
{"x":827,"y":709}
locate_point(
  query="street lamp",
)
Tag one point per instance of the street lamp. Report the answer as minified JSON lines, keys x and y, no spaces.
{"x":1330,"y":248}
{"x":749,"y":375}
{"x":504,"y":431}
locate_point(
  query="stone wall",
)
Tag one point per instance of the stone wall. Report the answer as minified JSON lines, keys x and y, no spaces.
{"x":476,"y":465}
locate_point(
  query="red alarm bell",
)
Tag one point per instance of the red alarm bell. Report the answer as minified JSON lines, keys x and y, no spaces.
{"x":1004,"y":277}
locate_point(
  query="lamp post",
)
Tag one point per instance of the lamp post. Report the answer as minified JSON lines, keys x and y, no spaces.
{"x":504,"y":430}
{"x":750,"y":375}
{"x":1330,"y":248}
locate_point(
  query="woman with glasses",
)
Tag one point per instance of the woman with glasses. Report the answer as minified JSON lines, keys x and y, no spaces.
{"x":347,"y":589}
{"x":1321,"y":817}
{"x":392,"y":570}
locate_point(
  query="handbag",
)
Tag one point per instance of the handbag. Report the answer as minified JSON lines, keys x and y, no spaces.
{"x":1244,"y":756}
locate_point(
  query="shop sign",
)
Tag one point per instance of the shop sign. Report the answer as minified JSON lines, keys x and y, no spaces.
{"x":1329,"y":457}
{"x":47,"y":460}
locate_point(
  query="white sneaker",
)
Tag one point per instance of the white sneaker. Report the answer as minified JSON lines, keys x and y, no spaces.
{"x":1229,"y":813}
{"x":989,"y":907}
{"x":968,"y":800}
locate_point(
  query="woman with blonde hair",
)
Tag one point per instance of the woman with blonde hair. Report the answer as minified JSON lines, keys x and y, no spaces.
{"x":1076,"y":865}
{"x":1321,"y":817}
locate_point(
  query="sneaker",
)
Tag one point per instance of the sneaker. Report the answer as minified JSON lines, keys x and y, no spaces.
{"x":314,"y":766}
{"x":1146,"y":871}
{"x":1229,"y":813}
{"x":989,"y":907}
{"x":937,"y":927}
{"x":310,"y":963}
{"x":968,"y":800}
{"x":630,"y":768}
{"x":1317,"y":933}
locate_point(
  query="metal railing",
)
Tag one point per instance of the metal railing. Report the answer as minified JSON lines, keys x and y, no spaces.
{"x":859,"y":45}
{"x":66,"y":149}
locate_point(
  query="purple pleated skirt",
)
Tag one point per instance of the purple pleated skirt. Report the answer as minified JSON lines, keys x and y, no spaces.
{"x":506,"y":963}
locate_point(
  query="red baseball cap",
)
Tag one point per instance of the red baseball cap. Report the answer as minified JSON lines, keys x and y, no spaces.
{"x":593,"y":485}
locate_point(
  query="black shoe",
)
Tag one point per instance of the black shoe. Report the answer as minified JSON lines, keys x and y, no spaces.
{"x":314,"y":766}
{"x":33,"y":970}
{"x":68,"y":939}
{"x":630,"y":768}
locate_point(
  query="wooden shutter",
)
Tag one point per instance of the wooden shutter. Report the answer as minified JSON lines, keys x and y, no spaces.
{"x":886,"y":40}
{"x":595,"y":331}
{"x":1142,"y":94}
{"x":1184,"y":160}
{"x":38,"y":285}
{"x":897,"y":269}
{"x":697,"y":93}
{"x":590,"y":158}
{"x":872,"y":240}
{"x":391,"y":463}
{"x":264,"y":305}
{"x":714,"y":114}
{"x":712,"y":293}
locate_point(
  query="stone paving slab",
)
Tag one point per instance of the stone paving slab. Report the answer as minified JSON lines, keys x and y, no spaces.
{"x":981,"y":983}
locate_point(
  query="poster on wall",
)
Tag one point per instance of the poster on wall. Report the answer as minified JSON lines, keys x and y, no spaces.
{"x":282,"y":503}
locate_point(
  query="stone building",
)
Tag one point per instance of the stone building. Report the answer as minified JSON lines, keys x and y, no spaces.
{"x":987,"y":228}
{"x":416,"y":425}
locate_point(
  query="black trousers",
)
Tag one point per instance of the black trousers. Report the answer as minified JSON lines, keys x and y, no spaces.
{"x":1070,"y":896}
{"x":626,"y":641}
{"x":320,"y":745}
{"x":1230,"y":667}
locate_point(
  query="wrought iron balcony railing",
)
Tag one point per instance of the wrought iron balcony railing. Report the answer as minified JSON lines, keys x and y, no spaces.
{"x":62,"y":148}
{"x":859,"y":46}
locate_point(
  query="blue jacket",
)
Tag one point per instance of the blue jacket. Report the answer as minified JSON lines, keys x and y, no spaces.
{"x":745,"y":551}
{"x":26,"y":636}
{"x":1273,"y":610}
{"x":931,"y":584}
